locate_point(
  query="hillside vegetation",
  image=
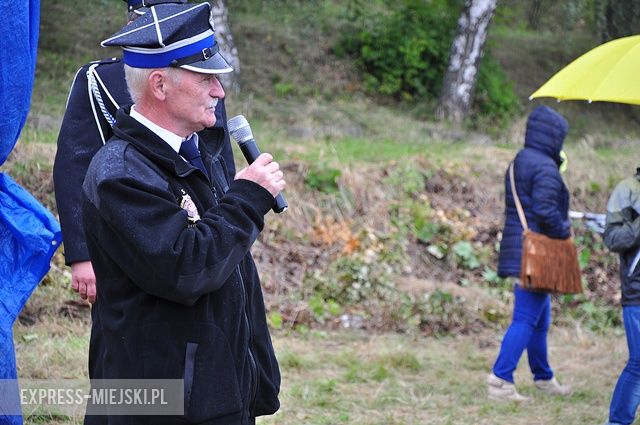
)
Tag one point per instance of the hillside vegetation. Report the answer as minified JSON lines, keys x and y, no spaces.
{"x":393,"y":226}
{"x":395,"y":219}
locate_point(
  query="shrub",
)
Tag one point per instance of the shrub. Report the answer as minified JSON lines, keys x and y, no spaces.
{"x":495,"y":101}
{"x":404,"y":53}
{"x":465,"y":255}
{"x":323,"y":179}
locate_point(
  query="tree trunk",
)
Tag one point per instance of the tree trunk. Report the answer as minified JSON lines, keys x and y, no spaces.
{"x":534,"y":13}
{"x":224,"y":38}
{"x":622,"y":18}
{"x":466,"y":52}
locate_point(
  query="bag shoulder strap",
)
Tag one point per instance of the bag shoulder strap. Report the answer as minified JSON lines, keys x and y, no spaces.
{"x":523,"y":218}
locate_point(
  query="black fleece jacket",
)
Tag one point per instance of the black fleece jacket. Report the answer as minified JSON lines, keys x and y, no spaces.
{"x":178,"y":292}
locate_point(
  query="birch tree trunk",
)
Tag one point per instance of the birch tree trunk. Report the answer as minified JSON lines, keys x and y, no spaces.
{"x":224,"y":38}
{"x":466,"y":51}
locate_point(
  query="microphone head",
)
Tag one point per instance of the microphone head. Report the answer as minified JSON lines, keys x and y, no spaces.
{"x":239,"y":129}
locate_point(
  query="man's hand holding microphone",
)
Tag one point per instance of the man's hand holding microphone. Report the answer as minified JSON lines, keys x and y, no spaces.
{"x":262,"y":170}
{"x":265,"y":172}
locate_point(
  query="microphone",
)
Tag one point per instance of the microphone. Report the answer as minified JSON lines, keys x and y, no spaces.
{"x":241,"y":132}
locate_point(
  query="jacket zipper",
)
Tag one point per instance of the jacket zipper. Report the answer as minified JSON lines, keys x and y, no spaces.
{"x":253,"y":366}
{"x":252,"y":361}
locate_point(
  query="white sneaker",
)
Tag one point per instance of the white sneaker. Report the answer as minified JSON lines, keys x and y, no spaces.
{"x":502,"y":390}
{"x":552,"y":387}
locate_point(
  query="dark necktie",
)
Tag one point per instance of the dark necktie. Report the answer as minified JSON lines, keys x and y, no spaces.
{"x":190,"y":152}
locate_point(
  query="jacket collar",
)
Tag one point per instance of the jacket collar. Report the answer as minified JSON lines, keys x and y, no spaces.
{"x":148,"y":142}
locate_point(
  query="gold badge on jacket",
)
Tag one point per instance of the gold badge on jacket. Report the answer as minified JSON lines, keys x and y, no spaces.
{"x":187,"y":204}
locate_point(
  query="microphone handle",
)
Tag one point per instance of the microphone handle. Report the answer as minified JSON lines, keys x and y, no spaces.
{"x":251,"y":151}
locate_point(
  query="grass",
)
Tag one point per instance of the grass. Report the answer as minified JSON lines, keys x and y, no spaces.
{"x":360,"y":378}
{"x":395,"y":379}
{"x":349,"y":377}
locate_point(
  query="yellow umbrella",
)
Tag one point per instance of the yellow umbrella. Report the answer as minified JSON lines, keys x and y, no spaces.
{"x":608,"y":73}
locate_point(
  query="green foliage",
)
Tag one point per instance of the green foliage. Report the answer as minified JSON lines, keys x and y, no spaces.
{"x":401,"y":360}
{"x":404,"y":53}
{"x":595,"y":187}
{"x":351,"y":280}
{"x":423,"y":227}
{"x":291,"y":360}
{"x":284,"y":89}
{"x":323,"y":309}
{"x":495,"y":101}
{"x":491,"y":277}
{"x":323,"y":179}
{"x":621,"y":18}
{"x":440,"y":312}
{"x":587,"y":243}
{"x":409,"y":179}
{"x":380,"y":373}
{"x":439,"y":302}
{"x":466,"y":255}
{"x":47,"y":419}
{"x":597,"y":317}
{"x":275,"y":320}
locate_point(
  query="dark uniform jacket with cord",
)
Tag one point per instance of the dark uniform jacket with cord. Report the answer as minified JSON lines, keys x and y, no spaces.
{"x":178,"y":294}
{"x":622,"y":235}
{"x":98,"y":89}
{"x":543,"y":194}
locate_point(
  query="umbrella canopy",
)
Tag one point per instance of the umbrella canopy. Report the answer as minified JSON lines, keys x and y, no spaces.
{"x":608,"y":73}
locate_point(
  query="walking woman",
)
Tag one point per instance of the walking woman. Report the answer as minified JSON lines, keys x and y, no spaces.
{"x":545,"y":201}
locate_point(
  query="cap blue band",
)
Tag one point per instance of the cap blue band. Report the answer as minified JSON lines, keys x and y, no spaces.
{"x":164,"y":59}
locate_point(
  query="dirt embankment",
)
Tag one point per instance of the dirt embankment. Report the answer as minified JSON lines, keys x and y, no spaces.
{"x":389,"y":248}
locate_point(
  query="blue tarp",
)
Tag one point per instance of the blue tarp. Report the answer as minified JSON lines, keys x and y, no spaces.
{"x":18,"y":47}
{"x":29,"y":234}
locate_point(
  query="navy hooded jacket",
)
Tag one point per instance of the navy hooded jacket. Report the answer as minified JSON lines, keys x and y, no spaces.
{"x":543,"y":194}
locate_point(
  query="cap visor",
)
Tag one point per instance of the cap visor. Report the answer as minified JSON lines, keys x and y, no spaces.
{"x":216,"y":64}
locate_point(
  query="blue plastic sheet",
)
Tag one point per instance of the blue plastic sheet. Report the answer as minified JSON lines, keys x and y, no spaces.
{"x":18,"y":48}
{"x":29,"y":233}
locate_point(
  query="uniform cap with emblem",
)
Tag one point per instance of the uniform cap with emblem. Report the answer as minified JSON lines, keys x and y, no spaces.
{"x":141,"y":6}
{"x":172,"y":35}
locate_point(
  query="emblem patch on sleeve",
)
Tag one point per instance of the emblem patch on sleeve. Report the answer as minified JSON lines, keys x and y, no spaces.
{"x":187,"y":204}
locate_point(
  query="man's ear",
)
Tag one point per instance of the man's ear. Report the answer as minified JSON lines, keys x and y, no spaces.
{"x":158,"y":84}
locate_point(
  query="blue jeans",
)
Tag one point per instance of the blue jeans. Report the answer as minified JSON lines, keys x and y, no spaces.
{"x":528,"y":329}
{"x":626,"y":396}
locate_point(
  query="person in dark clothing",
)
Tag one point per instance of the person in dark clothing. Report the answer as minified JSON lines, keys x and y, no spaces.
{"x":622,"y":235}
{"x":169,"y":235}
{"x":97,"y":91}
{"x":545,"y":201}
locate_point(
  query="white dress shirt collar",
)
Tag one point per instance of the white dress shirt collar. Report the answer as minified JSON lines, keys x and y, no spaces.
{"x":171,"y":138}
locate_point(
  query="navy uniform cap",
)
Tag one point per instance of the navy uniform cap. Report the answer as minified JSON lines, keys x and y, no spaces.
{"x":172,"y":35}
{"x":140,"y":6}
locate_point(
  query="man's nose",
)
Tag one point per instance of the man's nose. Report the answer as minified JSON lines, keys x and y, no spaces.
{"x":216,"y":89}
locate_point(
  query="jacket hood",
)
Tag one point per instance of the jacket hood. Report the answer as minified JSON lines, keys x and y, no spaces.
{"x":546,"y":130}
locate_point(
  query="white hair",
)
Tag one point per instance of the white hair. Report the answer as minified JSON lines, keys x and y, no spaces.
{"x":137,"y":79}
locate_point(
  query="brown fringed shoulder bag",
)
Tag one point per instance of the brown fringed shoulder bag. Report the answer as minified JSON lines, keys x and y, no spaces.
{"x":548,"y":265}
